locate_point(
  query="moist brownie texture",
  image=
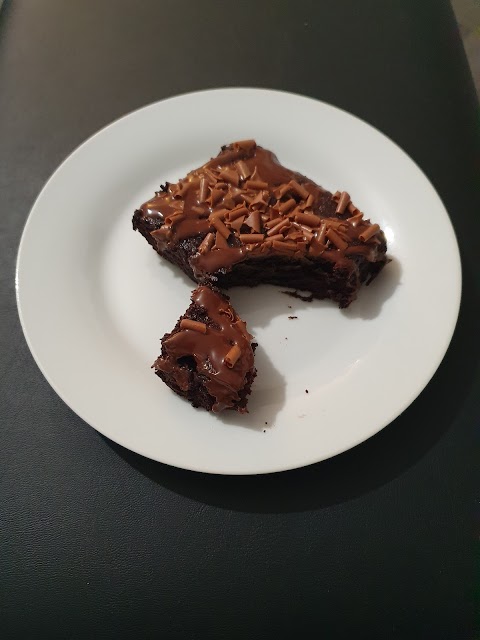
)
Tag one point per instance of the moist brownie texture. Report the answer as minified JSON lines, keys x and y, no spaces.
{"x":208,"y":357}
{"x":244,"y":219}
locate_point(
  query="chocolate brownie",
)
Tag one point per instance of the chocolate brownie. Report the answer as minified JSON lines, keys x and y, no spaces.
{"x":208,"y":357}
{"x":244,"y":219}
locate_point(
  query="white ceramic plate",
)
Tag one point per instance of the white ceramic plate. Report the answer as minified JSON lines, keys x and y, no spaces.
{"x":94,"y":298}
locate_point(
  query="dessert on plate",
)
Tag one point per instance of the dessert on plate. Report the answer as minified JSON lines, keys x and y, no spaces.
{"x":244,"y":219}
{"x":208,"y":357}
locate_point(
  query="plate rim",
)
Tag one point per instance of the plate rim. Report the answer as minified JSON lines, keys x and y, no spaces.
{"x":435,"y":364}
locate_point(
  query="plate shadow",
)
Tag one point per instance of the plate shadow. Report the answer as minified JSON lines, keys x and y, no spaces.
{"x":363,"y":469}
{"x":358,"y":471}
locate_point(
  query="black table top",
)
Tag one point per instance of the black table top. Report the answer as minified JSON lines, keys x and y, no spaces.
{"x":97,"y":542}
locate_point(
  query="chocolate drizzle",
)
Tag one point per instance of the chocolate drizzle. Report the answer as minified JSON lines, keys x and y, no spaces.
{"x":244,"y":204}
{"x":220,"y":347}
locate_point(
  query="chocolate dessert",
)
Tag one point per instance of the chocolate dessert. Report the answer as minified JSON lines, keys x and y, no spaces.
{"x":208,"y":357}
{"x":244,"y":219}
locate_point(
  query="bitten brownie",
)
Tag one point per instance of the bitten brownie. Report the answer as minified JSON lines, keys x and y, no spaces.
{"x":244,"y":219}
{"x":208,"y":357}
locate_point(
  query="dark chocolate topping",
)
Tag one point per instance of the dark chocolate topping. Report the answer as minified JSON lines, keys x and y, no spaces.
{"x":221,"y":347}
{"x":254,"y":206}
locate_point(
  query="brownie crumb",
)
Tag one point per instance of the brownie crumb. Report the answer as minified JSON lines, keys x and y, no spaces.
{"x":266,"y":422}
{"x":295,"y":294}
{"x":306,"y":390}
{"x":289,"y":306}
{"x":292,"y":317}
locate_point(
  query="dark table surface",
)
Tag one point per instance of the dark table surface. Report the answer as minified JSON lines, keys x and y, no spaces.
{"x":97,"y":542}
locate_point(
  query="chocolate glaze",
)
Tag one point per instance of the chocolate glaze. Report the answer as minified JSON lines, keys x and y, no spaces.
{"x":179,"y":212}
{"x":224,"y":330}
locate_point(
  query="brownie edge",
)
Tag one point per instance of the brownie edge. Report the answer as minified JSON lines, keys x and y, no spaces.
{"x":244,"y":219}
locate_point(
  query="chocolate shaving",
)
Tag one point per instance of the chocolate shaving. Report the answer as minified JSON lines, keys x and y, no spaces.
{"x":179,"y":190}
{"x":245,"y":145}
{"x":294,"y":234}
{"x":369,"y":232}
{"x":203,"y":191}
{"x":251,"y":237}
{"x":230,"y":175}
{"x":232,"y":356}
{"x":317,"y":245}
{"x":284,"y":245}
{"x":207,"y":243}
{"x":254,"y":221}
{"x":274,"y":230}
{"x":307,"y":232}
{"x":320,"y":235}
{"x":260,"y":199}
{"x":174,"y":218}
{"x":308,"y":219}
{"x":298,"y":189}
{"x":215,"y":196}
{"x":243,"y":169}
{"x":285,"y":207}
{"x":336,"y":239}
{"x":354,"y":220}
{"x":301,"y":247}
{"x":220,"y":241}
{"x":273,"y":222}
{"x":186,"y":323}
{"x":342,"y":202}
{"x":220,"y":227}
{"x":256,"y":185}
{"x":219,"y":214}
{"x":237,"y":223}
{"x":271,"y":239}
{"x":212,"y":178}
{"x":316,"y":248}
{"x":237,"y":213}
{"x":351,"y":208}
{"x":281,"y":191}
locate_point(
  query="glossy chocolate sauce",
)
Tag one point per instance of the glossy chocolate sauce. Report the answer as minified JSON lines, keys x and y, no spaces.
{"x":221,"y":348}
{"x":243,"y":204}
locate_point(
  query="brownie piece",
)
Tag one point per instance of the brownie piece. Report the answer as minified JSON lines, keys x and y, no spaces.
{"x":208,"y":357}
{"x":244,"y":219}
